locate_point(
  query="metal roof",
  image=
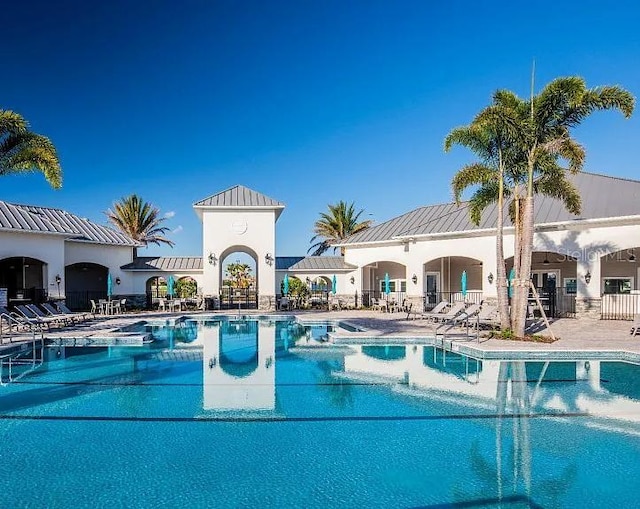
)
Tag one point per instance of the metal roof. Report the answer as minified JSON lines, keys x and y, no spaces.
{"x":165,"y":263}
{"x":317,"y":263}
{"x":602,"y":197}
{"x":31,"y":219}
{"x":239,"y":196}
{"x":284,"y":262}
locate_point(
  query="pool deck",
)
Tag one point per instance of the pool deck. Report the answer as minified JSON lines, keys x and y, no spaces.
{"x":573,"y":335}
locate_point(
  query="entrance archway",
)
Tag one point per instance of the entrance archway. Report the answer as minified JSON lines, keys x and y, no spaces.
{"x":443,"y":280}
{"x":374,"y":275}
{"x":84,"y":282}
{"x":23,"y":278}
{"x":239,"y":277}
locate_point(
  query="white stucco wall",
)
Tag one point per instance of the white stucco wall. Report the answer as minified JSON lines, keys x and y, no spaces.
{"x":226,"y":231}
{"x":112,"y":257}
{"x":49,"y":249}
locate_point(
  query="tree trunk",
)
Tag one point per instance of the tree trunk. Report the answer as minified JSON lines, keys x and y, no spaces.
{"x":501,"y":269}
{"x":521,"y":293}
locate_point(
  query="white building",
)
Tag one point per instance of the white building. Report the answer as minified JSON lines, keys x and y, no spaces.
{"x":584,"y":266}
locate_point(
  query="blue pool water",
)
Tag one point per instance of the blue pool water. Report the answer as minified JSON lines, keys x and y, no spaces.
{"x":267,"y":414}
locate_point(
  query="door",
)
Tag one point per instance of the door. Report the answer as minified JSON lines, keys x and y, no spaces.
{"x":431,"y":289}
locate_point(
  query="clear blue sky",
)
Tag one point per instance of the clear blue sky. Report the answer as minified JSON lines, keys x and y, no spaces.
{"x":308,"y":102}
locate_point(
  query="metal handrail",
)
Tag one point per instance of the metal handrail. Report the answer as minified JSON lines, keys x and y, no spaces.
{"x":16,"y":358}
{"x":4,"y":317}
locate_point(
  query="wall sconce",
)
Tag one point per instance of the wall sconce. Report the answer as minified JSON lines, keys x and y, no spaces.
{"x":268,"y":258}
{"x":490,"y":278}
{"x":308,"y":281}
{"x":58,"y":279}
{"x":118,"y":281}
{"x":352,"y":279}
{"x":587,"y":277}
{"x":212,"y":259}
{"x":414,"y":278}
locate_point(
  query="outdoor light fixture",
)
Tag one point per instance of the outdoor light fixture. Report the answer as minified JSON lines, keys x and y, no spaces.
{"x":490,"y":278}
{"x":545,"y":261}
{"x":58,"y":279}
{"x":587,"y":277}
{"x":414,"y":278}
{"x":212,"y":259}
{"x":268,"y":258}
{"x":118,"y":280}
{"x":308,"y":281}
{"x":632,"y":257}
{"x":352,"y":279}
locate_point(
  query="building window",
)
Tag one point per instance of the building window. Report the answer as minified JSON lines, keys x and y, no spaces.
{"x":617,"y":285}
{"x":570,"y":285}
{"x":394,"y":285}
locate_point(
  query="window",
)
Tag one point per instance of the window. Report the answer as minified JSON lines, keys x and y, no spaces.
{"x":394,"y":285}
{"x":617,"y":285}
{"x":570,"y":285}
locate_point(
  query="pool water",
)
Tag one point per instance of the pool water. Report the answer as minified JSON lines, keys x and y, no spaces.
{"x":267,"y":414}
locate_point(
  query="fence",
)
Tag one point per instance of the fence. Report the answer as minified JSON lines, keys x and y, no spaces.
{"x":238,"y":298}
{"x":81,"y":301}
{"x":619,"y":306}
{"x":431,"y":299}
{"x":367,"y":297}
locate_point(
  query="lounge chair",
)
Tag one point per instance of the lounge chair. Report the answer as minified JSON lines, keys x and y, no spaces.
{"x":54,"y":311}
{"x":488,"y":316}
{"x":635,"y":326}
{"x":467,"y":314}
{"x":45,"y":316}
{"x":34,"y":319}
{"x":438,"y":310}
{"x":82,"y":316}
{"x":452,"y":313}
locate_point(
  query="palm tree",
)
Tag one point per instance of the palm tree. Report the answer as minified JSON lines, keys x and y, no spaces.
{"x":23,"y":151}
{"x":333,"y":227}
{"x":540,"y":130}
{"x":487,"y":142}
{"x":139,"y":220}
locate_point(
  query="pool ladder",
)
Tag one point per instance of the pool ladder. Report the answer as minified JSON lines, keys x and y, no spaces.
{"x":16,"y":359}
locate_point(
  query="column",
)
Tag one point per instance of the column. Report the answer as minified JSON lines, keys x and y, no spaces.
{"x":588,"y":291}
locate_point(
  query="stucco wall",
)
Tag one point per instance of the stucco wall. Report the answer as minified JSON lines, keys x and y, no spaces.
{"x":49,"y":249}
{"x":238,"y":228}
{"x":112,"y":257}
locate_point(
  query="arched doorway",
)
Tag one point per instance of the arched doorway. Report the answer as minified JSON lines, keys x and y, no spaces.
{"x":186,"y":287}
{"x":239,"y":277}
{"x":85,"y":282}
{"x":443,"y":280}
{"x":24,"y":279}
{"x":554,"y":276}
{"x":156,"y":287}
{"x":374,"y":276}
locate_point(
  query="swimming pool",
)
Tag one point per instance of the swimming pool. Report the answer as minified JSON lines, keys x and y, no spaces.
{"x":242,"y":413}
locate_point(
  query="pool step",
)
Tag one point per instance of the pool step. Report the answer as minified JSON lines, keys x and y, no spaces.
{"x":102,"y":341}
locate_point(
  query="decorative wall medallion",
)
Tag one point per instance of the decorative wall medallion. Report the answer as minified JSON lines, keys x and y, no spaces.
{"x":239,"y":227}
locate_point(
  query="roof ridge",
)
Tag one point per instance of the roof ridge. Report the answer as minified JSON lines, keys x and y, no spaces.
{"x":623,"y":179}
{"x":278,"y":202}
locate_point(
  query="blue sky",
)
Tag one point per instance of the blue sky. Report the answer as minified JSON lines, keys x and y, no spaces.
{"x":308,"y":102}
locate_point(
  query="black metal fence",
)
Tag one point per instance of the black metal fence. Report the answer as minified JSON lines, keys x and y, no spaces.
{"x":431,"y":299}
{"x":619,"y":306}
{"x":369,"y":297}
{"x":81,"y":301}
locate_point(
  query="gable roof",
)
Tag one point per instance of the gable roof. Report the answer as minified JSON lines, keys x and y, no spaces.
{"x":165,"y":263}
{"x":32,"y":219}
{"x":313,"y":263}
{"x":239,"y":196}
{"x":602,"y":197}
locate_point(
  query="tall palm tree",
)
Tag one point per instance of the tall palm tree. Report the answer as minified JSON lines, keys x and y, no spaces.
{"x":541,"y":132}
{"x":139,"y":220}
{"x":335,"y":226}
{"x":488,"y":176}
{"x":23,"y":151}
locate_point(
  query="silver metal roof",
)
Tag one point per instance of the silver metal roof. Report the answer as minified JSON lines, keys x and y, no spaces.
{"x":317,"y":263}
{"x":239,"y":196}
{"x":284,"y":262}
{"x":165,"y":263}
{"x":602,"y":197}
{"x":31,"y":219}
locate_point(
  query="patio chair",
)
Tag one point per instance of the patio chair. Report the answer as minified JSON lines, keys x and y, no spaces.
{"x":284,"y":303}
{"x":439,"y":309}
{"x":55,"y":312}
{"x":162,"y":306}
{"x":465,"y":315}
{"x":33,"y":318}
{"x":13,"y":320}
{"x":80,"y":315}
{"x":377,"y":304}
{"x":452,"y":313}
{"x":488,"y":316}
{"x":94,"y":308}
{"x":635,"y":326}
{"x":45,"y":316}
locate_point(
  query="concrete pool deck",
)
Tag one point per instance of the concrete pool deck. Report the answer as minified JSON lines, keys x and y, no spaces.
{"x":572,"y":334}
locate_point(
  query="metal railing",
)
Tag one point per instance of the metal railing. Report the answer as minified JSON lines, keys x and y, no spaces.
{"x":431,"y":299}
{"x":619,"y":306}
{"x":367,"y":297}
{"x":238,"y":298}
{"x":81,"y":301}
